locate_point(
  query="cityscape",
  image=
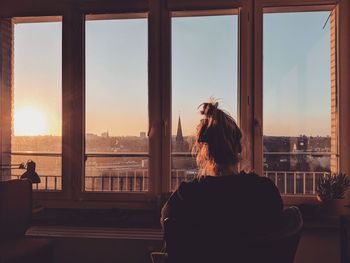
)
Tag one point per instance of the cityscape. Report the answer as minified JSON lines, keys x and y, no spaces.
{"x":120,"y":163}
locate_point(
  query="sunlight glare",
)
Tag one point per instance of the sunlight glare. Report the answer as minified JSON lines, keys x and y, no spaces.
{"x":30,"y":121}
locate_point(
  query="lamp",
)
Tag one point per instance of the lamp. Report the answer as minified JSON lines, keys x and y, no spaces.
{"x":30,"y":172}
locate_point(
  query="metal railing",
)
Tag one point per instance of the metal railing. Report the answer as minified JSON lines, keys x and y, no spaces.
{"x":310,"y":153}
{"x":134,"y":179}
{"x":295,"y":183}
{"x":119,"y":181}
{"x":288,"y":183}
{"x":48,"y":182}
{"x":181,"y":175}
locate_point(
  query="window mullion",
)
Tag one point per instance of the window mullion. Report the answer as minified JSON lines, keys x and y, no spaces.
{"x":258,"y":86}
{"x":154,"y":98}
{"x":166,"y":96}
{"x":245,"y":92}
{"x":73,"y":108}
{"x":343,"y":10}
{"x":6,"y":92}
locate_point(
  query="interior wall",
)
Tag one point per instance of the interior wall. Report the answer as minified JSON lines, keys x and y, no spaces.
{"x":96,"y":250}
{"x":316,"y":245}
{"x":319,"y":245}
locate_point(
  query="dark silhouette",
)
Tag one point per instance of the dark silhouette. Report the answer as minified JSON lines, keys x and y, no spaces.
{"x":222,"y":205}
{"x":30,"y":174}
{"x":16,"y":213}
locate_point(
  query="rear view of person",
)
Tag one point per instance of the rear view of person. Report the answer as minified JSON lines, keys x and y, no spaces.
{"x":205,"y":218}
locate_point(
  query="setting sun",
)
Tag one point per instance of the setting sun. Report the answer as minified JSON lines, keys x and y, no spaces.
{"x":30,"y":121}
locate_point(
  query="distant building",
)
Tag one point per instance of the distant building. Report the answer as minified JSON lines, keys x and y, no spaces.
{"x":105,"y":134}
{"x":180,"y":145}
{"x":282,"y":153}
{"x":142,"y":135}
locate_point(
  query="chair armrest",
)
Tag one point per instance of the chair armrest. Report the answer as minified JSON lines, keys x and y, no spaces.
{"x":159,"y":257}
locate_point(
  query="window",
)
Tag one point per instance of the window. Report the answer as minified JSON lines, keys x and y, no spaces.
{"x":36,"y":126}
{"x":299,"y":99}
{"x":110,"y":91}
{"x":202,"y":67}
{"x":116,"y":141}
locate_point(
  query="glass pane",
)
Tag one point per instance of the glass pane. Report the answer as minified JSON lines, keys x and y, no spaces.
{"x":37,"y":104}
{"x":297,"y":99}
{"x":116,"y":174}
{"x":116,"y":101}
{"x":183,"y":169}
{"x":204,"y":65}
{"x":47,"y":167}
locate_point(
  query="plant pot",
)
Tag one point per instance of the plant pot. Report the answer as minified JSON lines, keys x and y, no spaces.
{"x":334,"y":207}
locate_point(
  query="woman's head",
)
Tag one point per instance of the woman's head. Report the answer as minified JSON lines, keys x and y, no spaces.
{"x":218,"y":140}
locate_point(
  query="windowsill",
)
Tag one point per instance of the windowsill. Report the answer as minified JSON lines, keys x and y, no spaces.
{"x":96,"y":232}
{"x":316,"y":218}
{"x":97,"y":218}
{"x":289,"y":200}
{"x":110,"y":219}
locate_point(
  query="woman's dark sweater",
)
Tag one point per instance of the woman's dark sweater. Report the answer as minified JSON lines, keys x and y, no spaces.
{"x":211,"y":212}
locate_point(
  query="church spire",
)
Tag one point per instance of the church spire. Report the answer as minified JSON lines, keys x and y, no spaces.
{"x":179,"y":136}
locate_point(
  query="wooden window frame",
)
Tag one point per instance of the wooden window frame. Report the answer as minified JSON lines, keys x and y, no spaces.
{"x":54,"y":17}
{"x":120,"y":199}
{"x":341,"y":13}
{"x":175,"y":8}
{"x":154,"y":145}
{"x":159,"y":47}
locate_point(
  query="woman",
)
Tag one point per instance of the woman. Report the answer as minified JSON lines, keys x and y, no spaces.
{"x":205,"y":217}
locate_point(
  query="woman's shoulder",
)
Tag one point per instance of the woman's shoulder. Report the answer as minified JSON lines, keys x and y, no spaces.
{"x":262,"y":181}
{"x":196,"y":185}
{"x":188,"y":188}
{"x":207,"y":180}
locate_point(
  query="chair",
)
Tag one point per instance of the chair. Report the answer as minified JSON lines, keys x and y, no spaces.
{"x":274,"y":247}
{"x":15,"y":216}
{"x":344,"y":239}
{"x":159,"y":257}
{"x":279,"y":246}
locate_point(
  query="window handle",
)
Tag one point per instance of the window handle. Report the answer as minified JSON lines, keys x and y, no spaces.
{"x":257,"y":126}
{"x":165,"y":128}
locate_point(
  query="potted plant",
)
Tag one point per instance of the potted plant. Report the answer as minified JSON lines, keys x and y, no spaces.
{"x":331,"y":190}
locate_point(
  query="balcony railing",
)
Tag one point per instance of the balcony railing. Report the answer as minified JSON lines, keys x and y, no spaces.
{"x":295,"y":183}
{"x":48,"y":182}
{"x":123,"y":181}
{"x":296,"y":180}
{"x":132,"y":179}
{"x":181,"y":175}
{"x":289,"y":183}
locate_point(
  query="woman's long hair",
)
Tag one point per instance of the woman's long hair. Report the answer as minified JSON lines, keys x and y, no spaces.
{"x":218,"y":140}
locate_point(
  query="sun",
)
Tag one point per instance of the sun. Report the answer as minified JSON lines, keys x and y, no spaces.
{"x":30,"y":121}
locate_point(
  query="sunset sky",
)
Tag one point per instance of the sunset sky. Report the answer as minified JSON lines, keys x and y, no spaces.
{"x":297,"y":74}
{"x":38,"y":78}
{"x":204,"y":64}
